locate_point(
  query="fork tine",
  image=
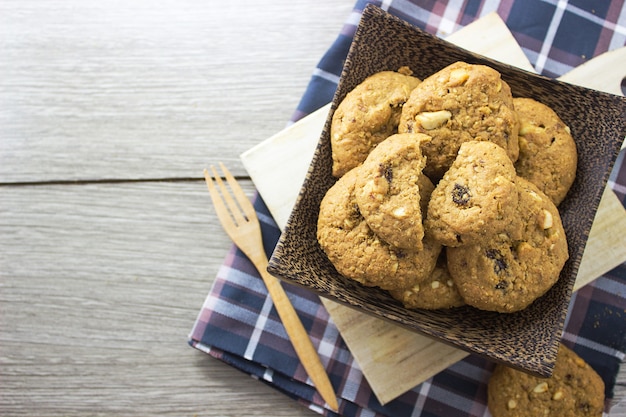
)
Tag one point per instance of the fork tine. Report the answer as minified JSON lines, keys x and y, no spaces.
{"x":241,"y":197}
{"x":218,"y":203}
{"x":235,"y":211}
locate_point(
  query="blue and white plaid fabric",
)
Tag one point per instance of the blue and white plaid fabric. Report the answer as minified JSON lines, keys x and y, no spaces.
{"x":238,"y":324}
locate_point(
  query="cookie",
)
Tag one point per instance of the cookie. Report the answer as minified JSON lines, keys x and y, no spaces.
{"x":574,"y":389}
{"x":436,"y":292}
{"x":357,"y":252}
{"x":368,"y":114}
{"x":459,"y":103}
{"x":547,"y":151}
{"x":475,"y":198}
{"x":511,"y":269}
{"x":388,"y":190}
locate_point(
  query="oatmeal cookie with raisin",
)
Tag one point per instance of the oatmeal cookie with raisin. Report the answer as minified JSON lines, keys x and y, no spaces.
{"x":388,"y":190}
{"x":573,"y":390}
{"x":511,"y":269}
{"x":476,"y":198}
{"x":368,"y":114}
{"x":357,"y":252}
{"x":459,"y":103}
{"x":437,"y":292}
{"x":547,"y":152}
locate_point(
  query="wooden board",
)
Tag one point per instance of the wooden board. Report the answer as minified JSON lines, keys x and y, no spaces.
{"x":393,"y":368}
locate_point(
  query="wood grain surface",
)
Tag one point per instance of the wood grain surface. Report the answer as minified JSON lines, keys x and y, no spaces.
{"x":109,"y":111}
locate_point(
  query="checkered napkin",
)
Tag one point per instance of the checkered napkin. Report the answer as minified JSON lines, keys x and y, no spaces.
{"x":239,"y":325}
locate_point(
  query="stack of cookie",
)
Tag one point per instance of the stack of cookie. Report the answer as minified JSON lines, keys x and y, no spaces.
{"x":447,"y":190}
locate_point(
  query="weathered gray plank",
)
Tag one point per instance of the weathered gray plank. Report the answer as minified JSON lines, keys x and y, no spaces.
{"x":101,"y":285}
{"x":143,"y":89}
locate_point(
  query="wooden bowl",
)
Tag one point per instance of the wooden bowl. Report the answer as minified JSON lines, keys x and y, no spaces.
{"x":527,"y":340}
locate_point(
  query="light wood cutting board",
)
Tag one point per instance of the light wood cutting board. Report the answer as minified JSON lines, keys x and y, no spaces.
{"x":393,"y":359}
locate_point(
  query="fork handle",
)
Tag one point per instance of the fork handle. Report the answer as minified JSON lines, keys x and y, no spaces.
{"x":297,"y":334}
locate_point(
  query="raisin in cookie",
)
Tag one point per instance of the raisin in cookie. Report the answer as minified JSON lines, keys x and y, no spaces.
{"x":368,"y":115}
{"x":574,"y":389}
{"x":547,"y":151}
{"x":388,"y":191}
{"x":459,"y":103}
{"x":511,"y":269}
{"x":436,"y":292}
{"x":475,"y":198}
{"x":357,"y":252}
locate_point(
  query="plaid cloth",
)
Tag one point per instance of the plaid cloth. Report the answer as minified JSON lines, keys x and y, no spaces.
{"x":239,"y":325}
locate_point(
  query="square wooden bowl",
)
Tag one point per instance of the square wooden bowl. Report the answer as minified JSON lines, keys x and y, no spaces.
{"x":527,"y":340}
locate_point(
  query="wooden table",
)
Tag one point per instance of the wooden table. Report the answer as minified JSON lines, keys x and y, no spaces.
{"x":109,"y":111}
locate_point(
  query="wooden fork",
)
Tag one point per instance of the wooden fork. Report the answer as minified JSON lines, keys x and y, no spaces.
{"x":241,"y":223}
